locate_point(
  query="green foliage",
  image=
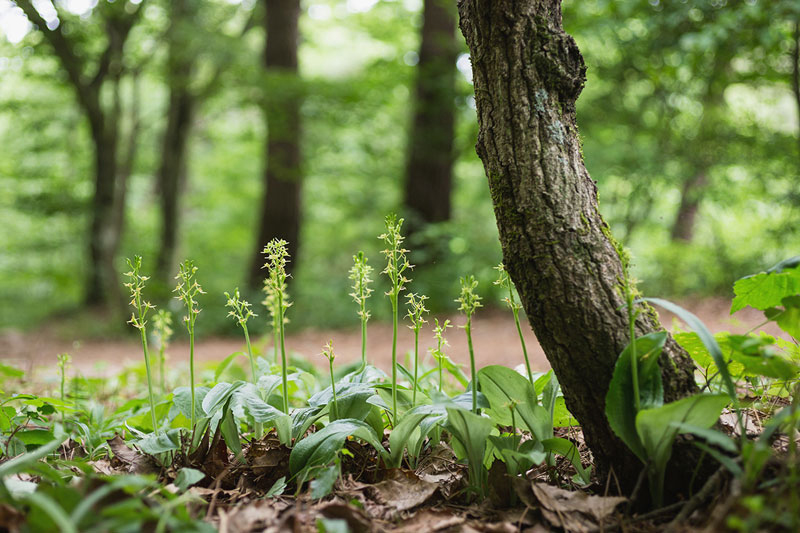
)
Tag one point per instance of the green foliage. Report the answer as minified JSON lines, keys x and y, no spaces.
{"x":472,"y":431}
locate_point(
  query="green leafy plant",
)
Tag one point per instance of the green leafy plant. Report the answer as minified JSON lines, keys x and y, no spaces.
{"x":638,"y":416}
{"x":360,"y":275}
{"x":504,"y":281}
{"x":416,"y":310}
{"x":162,"y":331}
{"x":241,"y":313}
{"x":396,"y":266}
{"x":138,"y":320}
{"x":470,"y":302}
{"x":472,"y":431}
{"x":188,"y":289}
{"x":438,"y":351}
{"x":277,"y":257}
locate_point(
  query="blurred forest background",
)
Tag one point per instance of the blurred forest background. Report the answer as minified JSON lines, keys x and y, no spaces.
{"x":154,"y":127}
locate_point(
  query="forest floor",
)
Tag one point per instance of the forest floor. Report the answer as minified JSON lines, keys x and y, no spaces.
{"x":494,"y":335}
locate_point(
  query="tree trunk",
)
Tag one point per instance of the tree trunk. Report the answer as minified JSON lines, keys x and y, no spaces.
{"x":280,"y":208}
{"x":106,"y":222}
{"x":174,"y":145}
{"x":430,"y":149}
{"x":172,"y":176}
{"x":557,"y":248}
{"x":691,"y":194}
{"x":104,"y":238}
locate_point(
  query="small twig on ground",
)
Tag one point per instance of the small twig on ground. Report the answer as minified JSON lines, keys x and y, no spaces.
{"x":217,"y":483}
{"x":695,"y":501}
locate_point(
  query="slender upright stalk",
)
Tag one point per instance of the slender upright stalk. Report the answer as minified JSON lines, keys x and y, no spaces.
{"x":241,"y":312}
{"x":634,"y":360}
{"x":416,"y":308}
{"x":162,"y":331}
{"x":396,"y":264}
{"x":505,"y":281}
{"x":441,"y":342}
{"x":284,"y":366}
{"x":187,"y":290}
{"x":278,"y":302}
{"x":138,"y":320}
{"x":63,"y":363}
{"x":327,"y":351}
{"x":360,"y":274}
{"x":469,"y":303}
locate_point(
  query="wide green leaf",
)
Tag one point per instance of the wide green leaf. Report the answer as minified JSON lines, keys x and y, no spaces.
{"x":472,"y":431}
{"x":161,"y":442}
{"x":658,"y":427}
{"x":219,"y":395}
{"x":620,"y":401}
{"x":568,"y":450}
{"x":767,"y":289}
{"x":503,"y":386}
{"x":708,"y":340}
{"x":321,"y":448}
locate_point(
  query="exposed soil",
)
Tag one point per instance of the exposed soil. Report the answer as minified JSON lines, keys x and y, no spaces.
{"x":494,"y":334}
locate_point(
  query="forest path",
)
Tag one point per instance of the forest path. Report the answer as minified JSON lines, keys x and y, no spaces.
{"x":494,"y":335}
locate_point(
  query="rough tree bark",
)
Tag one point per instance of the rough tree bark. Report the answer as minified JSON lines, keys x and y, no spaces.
{"x":280,"y":207}
{"x":557,"y":248}
{"x":105,"y":227}
{"x":430,"y":150}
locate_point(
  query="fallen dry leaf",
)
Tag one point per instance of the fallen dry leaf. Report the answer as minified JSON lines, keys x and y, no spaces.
{"x":402,"y":490}
{"x":431,"y":520}
{"x":575,"y":512}
{"x":134,"y":461}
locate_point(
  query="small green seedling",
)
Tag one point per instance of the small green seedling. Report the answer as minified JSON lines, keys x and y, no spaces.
{"x":416,"y":308}
{"x":441,"y":342}
{"x":139,"y":320}
{"x":188,"y":289}
{"x":277,"y":257}
{"x":241,"y":312}
{"x":360,"y":274}
{"x":396,"y":265}
{"x":504,"y":281}
{"x":64,"y":361}
{"x":470,"y":302}
{"x":327,"y":352}
{"x":162,"y":331}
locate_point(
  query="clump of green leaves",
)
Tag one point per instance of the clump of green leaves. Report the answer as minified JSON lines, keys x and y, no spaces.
{"x":138,"y":320}
{"x":470,"y":302}
{"x":275,"y":285}
{"x":360,"y":274}
{"x":162,"y":331}
{"x":241,"y":312}
{"x":416,"y":309}
{"x":188,"y":289}
{"x":441,"y":342}
{"x":396,"y":266}
{"x":327,"y":352}
{"x":504,"y":281}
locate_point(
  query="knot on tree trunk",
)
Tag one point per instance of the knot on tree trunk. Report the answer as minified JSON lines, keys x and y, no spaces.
{"x":558,"y":62}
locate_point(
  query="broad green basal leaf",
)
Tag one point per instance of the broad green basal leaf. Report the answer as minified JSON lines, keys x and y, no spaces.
{"x":320,"y":448}
{"x":620,"y":402}
{"x":657,"y":429}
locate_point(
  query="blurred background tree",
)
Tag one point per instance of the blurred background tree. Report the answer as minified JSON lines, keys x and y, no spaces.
{"x":172,"y":129}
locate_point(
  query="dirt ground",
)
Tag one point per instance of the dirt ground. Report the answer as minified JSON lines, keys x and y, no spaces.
{"x":494,"y":334}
